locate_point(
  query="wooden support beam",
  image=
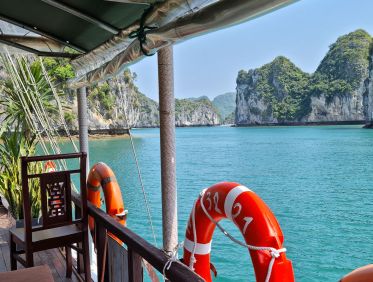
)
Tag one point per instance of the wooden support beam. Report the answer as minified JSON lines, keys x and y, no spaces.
{"x":81,"y":15}
{"x":79,"y":260}
{"x":101,"y":246}
{"x":135,"y":273}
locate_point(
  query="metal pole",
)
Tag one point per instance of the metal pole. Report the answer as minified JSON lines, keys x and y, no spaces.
{"x":168,"y":163}
{"x":83,"y":143}
{"x":83,"y":122}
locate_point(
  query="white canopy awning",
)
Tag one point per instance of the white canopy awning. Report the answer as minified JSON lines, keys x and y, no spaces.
{"x":110,"y":35}
{"x":175,"y":21}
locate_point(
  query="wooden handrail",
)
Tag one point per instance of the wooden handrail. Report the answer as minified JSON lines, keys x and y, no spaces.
{"x":53,"y":157}
{"x":156,"y":257}
{"x":36,"y":175}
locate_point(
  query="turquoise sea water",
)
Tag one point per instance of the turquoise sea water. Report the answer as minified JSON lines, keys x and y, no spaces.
{"x":317,"y":181}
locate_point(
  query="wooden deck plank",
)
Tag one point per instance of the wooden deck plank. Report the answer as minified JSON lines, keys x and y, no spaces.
{"x":37,"y":259}
{"x":63,"y":262}
{"x":60,"y":267}
{"x":6,"y":255}
{"x":2,"y":262}
{"x":46,"y":259}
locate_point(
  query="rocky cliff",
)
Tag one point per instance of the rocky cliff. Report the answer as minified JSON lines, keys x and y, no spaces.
{"x":340,"y":89}
{"x":270,"y":94}
{"x":368,"y":97}
{"x":195,"y":112}
{"x":117,"y":104}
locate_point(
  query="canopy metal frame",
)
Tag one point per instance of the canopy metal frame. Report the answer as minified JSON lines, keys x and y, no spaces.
{"x":81,"y":25}
{"x":82,"y":15}
{"x":6,"y":39}
{"x":42,"y":33}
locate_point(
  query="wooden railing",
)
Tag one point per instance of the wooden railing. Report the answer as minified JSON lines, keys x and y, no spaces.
{"x":137,"y":249}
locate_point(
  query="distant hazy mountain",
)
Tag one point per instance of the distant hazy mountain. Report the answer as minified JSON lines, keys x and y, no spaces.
{"x":225,"y":104}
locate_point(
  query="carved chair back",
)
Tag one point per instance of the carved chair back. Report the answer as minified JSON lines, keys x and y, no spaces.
{"x":55,"y":193}
{"x":55,"y":189}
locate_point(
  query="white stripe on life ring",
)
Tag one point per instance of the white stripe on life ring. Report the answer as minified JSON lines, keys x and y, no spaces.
{"x":201,"y":249}
{"x":231,"y":197}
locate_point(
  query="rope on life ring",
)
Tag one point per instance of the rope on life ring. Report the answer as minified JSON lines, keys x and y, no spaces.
{"x":261,"y":231}
{"x":102,"y":176}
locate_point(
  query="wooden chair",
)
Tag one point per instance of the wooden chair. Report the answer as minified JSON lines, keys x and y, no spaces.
{"x":57,"y":229}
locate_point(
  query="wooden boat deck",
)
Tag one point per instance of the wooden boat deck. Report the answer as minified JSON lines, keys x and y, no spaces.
{"x":53,"y":258}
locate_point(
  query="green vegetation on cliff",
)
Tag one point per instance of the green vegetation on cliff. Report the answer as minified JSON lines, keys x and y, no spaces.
{"x":287,"y":90}
{"x":191,"y":104}
{"x":280,"y":84}
{"x":196,"y":111}
{"x":347,"y":59}
{"x":102,"y":94}
{"x":344,"y":66}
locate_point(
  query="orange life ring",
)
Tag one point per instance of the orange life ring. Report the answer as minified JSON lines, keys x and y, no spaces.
{"x":361,"y":274}
{"x":50,"y":166}
{"x":256,"y":222}
{"x":101,"y":175}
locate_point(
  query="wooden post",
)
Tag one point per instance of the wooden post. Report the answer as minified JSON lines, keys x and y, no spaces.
{"x":101,"y":245}
{"x":135,"y":273}
{"x":168,"y":162}
{"x":79,"y":261}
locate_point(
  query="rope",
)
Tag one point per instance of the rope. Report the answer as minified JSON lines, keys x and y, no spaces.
{"x":62,"y":117}
{"x":39,"y":110}
{"x":193,"y":259}
{"x":139,"y":172}
{"x":143,"y":30}
{"x":32,"y":102}
{"x":173,"y":258}
{"x":18,"y":85}
{"x":275,"y":253}
{"x":142,"y":187}
{"x":26,"y":89}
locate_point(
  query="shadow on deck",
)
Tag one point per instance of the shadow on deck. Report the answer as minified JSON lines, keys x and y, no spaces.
{"x":53,"y":258}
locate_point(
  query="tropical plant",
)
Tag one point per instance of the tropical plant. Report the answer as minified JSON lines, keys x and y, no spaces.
{"x":13,"y":146}
{"x":28,"y":103}
{"x":29,"y":96}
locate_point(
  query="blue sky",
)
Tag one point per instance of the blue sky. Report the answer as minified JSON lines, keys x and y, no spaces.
{"x":208,"y":65}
